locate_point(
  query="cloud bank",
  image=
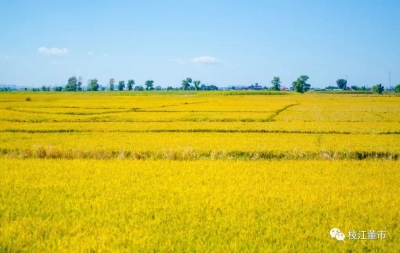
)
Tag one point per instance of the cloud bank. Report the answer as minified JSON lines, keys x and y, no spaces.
{"x":53,"y":50}
{"x":205,"y":59}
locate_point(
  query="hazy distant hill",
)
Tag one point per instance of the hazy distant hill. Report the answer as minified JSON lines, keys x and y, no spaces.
{"x":10,"y":86}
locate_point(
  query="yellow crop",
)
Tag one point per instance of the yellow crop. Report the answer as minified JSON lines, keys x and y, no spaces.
{"x":204,"y":206}
{"x":197,"y":172}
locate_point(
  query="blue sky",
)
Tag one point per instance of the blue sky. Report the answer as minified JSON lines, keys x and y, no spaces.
{"x":218,"y":42}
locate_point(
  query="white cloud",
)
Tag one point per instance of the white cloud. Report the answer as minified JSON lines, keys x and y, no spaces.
{"x":178,"y":60}
{"x":205,"y":59}
{"x":104,"y":55}
{"x":53,"y":50}
{"x":90,"y":53}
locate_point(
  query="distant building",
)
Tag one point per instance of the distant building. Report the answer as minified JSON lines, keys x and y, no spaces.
{"x":254,"y":87}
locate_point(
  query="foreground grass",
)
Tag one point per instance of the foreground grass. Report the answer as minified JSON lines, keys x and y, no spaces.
{"x":204,"y":206}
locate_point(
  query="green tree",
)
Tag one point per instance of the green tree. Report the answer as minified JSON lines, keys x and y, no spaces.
{"x":186,"y":83}
{"x":341,"y":83}
{"x":111,"y":83}
{"x":139,"y":88}
{"x":197,"y":84}
{"x":301,"y":85}
{"x":72,"y":84}
{"x":121,"y":85}
{"x":276,"y":83}
{"x":93,"y":85}
{"x":149,"y":85}
{"x":378,"y":88}
{"x":130,"y":84}
{"x":331,"y":88}
{"x":397,"y":88}
{"x":79,"y":84}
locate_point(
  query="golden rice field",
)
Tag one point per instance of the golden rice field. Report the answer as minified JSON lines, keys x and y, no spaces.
{"x":198,"y":172}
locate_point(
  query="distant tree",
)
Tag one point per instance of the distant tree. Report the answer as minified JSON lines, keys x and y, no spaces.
{"x":331,"y":87}
{"x":72,"y":84}
{"x":196,"y":84}
{"x":276,"y":83}
{"x":170,"y":88}
{"x":130,"y":84}
{"x":149,"y":84}
{"x":121,"y":85}
{"x":58,"y":88}
{"x":111,"y":84}
{"x":139,"y":88}
{"x":209,"y":87}
{"x":93,"y":85}
{"x":79,"y":84}
{"x":158,"y":88}
{"x":44,"y":88}
{"x":301,"y":85}
{"x":354,"y":87}
{"x":378,"y":88}
{"x":213,"y":87}
{"x":341,"y":83}
{"x":397,"y":88}
{"x":186,"y":83}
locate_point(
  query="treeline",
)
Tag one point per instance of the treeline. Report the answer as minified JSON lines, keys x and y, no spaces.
{"x":299,"y":85}
{"x":342,"y":85}
{"x":75,"y":84}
